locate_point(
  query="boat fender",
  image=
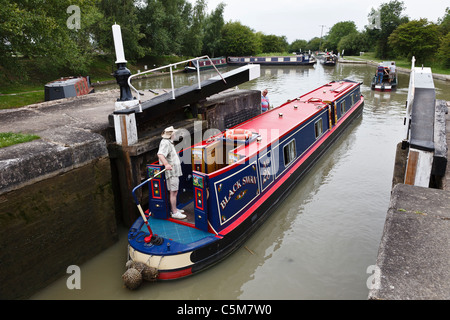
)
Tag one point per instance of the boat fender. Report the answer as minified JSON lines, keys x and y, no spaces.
{"x":238,"y":134}
{"x":132,"y":279}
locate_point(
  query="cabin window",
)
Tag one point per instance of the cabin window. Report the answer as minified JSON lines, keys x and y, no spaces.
{"x":318,"y":128}
{"x":342,"y":107}
{"x":353,"y":99}
{"x":289,"y":152}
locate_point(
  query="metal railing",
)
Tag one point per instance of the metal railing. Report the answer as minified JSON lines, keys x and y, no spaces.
{"x":171,"y":75}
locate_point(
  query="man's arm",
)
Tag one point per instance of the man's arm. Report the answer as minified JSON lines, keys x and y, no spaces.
{"x":164,"y":162}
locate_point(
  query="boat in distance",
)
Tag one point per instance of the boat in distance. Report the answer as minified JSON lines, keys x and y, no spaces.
{"x":68,"y":87}
{"x":387,"y":83}
{"x":233,"y":181}
{"x":205,"y":64}
{"x":329,"y":60}
{"x":299,"y":60}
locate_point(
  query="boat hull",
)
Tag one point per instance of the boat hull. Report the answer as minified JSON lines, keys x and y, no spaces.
{"x":67,"y":88}
{"x":218,"y":247}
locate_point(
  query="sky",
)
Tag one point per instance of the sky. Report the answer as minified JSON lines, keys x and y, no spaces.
{"x":303,"y":19}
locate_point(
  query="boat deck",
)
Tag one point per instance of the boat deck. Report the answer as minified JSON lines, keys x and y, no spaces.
{"x":174,"y":231}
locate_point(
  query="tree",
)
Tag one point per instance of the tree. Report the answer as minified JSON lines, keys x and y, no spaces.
{"x":337,"y":32}
{"x":238,"y":40}
{"x":387,"y":18}
{"x":444,"y":23}
{"x":164,"y":24}
{"x":444,"y":51}
{"x":417,"y":38}
{"x":213,"y":25}
{"x":298,"y":46}
{"x":124,"y":13}
{"x":193,"y":39}
{"x":39,"y":30}
{"x":314,"y":44}
{"x":353,"y":43}
{"x":273,"y":43}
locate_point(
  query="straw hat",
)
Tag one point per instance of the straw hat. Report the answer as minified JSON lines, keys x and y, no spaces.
{"x":167,"y":133}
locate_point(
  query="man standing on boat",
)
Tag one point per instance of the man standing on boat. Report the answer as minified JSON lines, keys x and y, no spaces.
{"x":381,"y":70}
{"x":265,"y":101}
{"x":392,"y":72}
{"x":168,"y":156}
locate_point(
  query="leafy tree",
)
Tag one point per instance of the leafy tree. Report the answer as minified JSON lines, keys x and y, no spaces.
{"x":444,"y":23}
{"x":353,"y":43}
{"x":444,"y":51}
{"x":273,"y":43}
{"x":164,"y":24}
{"x":193,"y":39}
{"x":238,"y":40}
{"x":298,"y":45}
{"x":387,"y":18}
{"x":417,"y":38}
{"x":213,"y":25}
{"x":38,"y":30}
{"x":337,"y":32}
{"x":314,"y":44}
{"x":124,"y":13}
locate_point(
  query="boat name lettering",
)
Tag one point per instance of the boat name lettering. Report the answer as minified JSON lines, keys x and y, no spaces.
{"x":236,"y":186}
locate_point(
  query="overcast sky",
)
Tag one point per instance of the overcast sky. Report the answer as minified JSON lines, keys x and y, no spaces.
{"x":302,"y":19}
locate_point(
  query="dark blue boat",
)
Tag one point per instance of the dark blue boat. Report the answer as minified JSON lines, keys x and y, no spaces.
{"x":233,"y":181}
{"x":205,"y":64}
{"x":299,"y":60}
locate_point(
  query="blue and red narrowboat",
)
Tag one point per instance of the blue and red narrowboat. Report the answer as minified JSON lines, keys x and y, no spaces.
{"x":234,"y":180}
{"x":205,"y":64}
{"x":304,"y":59}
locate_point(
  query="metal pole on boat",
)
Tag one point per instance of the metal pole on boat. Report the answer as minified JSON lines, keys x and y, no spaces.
{"x":151,"y":238}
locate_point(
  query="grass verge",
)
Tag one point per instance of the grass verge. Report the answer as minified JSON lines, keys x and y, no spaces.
{"x":9,"y":138}
{"x":400,"y":62}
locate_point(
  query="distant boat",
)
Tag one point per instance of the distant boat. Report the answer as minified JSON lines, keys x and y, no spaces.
{"x":302,"y":59}
{"x":205,"y":64}
{"x":385,"y":84}
{"x":232,"y":182}
{"x":68,"y":87}
{"x":329,"y":60}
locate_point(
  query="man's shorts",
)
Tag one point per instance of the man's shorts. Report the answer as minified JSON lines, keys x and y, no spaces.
{"x":172,"y":183}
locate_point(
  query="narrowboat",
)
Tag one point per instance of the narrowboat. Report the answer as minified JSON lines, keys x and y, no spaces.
{"x":233,"y":181}
{"x":329,"y":60}
{"x":300,"y":60}
{"x":205,"y":64}
{"x":68,"y":87}
{"x":388,"y":83}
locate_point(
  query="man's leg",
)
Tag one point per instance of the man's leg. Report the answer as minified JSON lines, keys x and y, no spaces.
{"x":173,"y":201}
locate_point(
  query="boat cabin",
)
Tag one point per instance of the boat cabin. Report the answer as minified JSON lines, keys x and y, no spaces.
{"x":227,"y":176}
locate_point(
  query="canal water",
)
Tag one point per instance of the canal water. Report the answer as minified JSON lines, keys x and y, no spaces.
{"x":321,"y":241}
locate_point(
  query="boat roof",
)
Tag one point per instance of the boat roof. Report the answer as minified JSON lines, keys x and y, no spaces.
{"x":278,"y":122}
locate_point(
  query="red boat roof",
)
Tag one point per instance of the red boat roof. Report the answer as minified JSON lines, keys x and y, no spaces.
{"x":274,"y":124}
